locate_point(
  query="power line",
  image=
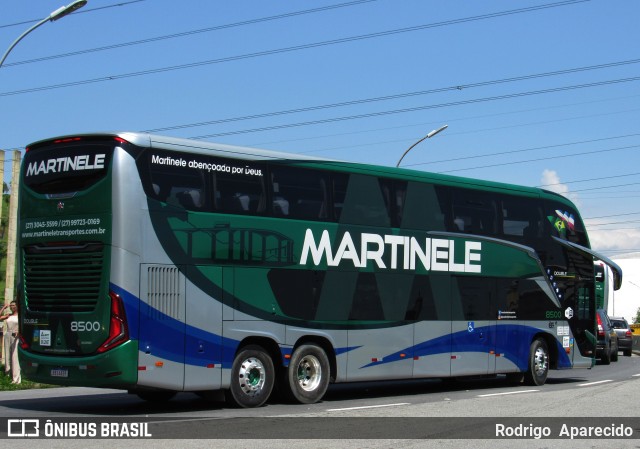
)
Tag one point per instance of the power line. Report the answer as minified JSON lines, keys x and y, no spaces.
{"x":473,"y":131}
{"x":188,"y":33}
{"x":606,"y":187}
{"x":525,"y":150}
{"x":418,"y":108}
{"x":397,"y":96}
{"x":449,"y":120}
{"x":78,"y":12}
{"x":614,"y":223}
{"x":617,"y":192}
{"x":608,"y":216}
{"x":294,"y":48}
{"x":626,"y":197}
{"x":584,"y":153}
{"x":501,"y":153}
{"x":593,"y":179}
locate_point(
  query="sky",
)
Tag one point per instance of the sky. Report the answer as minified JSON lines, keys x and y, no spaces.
{"x":537,"y":93}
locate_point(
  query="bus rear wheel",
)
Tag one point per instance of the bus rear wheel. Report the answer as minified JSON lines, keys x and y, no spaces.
{"x":252,"y":378}
{"x":307,"y":377}
{"x":538,"y":363}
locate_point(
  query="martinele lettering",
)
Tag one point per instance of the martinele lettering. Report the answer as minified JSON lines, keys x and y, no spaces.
{"x":401,"y":252}
{"x":65,"y":164}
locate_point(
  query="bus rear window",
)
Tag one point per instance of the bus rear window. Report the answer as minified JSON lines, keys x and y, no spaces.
{"x":65,"y":169}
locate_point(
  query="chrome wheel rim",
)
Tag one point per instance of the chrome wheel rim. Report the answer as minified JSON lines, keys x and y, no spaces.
{"x":309,"y":373}
{"x":540,"y":362}
{"x":252,"y":376}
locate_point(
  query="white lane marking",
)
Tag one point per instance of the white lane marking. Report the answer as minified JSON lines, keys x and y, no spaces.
{"x":506,"y":393}
{"x":595,"y":383}
{"x":367,"y":406}
{"x":636,"y":375}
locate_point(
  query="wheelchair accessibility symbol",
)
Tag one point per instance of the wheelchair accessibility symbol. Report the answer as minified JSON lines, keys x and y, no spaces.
{"x":470,"y":326}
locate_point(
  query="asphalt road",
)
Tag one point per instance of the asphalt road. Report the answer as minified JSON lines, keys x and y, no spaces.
{"x":426,"y":413}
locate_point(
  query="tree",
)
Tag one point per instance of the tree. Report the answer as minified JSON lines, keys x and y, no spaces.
{"x":636,"y":320}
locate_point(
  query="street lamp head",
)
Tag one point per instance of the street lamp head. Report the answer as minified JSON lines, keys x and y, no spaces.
{"x":428,"y":136}
{"x":436,"y":131}
{"x":55,"y":15}
{"x":66,"y":10}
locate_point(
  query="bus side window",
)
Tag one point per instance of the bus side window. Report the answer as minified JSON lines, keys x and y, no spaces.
{"x":159,"y":191}
{"x":474,"y":212}
{"x":186,"y":197}
{"x":399,"y":195}
{"x":339,"y":182}
{"x":177,"y":186}
{"x":186,"y":192}
{"x":299,"y":193}
{"x":190,"y":199}
{"x":240,"y":194}
{"x":522,"y":218}
{"x":393,"y":194}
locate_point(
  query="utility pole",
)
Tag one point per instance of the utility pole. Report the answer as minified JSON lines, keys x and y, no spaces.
{"x":2,"y":178}
{"x":13,"y":227}
{"x":5,"y":230}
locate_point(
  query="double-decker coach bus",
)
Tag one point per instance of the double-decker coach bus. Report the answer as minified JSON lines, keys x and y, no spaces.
{"x":160,"y":265}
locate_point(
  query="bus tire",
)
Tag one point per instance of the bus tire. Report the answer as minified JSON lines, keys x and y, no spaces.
{"x":307,"y":377}
{"x":538,"y":363}
{"x":252,"y":378}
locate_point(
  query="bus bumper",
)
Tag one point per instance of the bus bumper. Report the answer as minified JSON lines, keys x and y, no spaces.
{"x":116,"y":368}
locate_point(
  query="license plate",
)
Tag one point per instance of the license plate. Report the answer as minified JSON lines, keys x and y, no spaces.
{"x":59,"y":372}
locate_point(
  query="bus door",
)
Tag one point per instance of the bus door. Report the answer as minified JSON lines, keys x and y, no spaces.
{"x":473,"y":326}
{"x":162,"y":327}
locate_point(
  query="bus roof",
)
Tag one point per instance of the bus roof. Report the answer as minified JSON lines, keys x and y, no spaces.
{"x":241,"y":152}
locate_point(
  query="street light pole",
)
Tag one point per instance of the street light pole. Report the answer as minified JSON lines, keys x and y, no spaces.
{"x":55,"y":15}
{"x":428,"y":136}
{"x":15,"y":179}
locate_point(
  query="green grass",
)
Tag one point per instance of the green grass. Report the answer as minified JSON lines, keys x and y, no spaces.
{"x":6,"y":385}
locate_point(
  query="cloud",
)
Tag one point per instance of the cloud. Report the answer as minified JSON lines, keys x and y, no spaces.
{"x":619,"y":240}
{"x":551,"y":181}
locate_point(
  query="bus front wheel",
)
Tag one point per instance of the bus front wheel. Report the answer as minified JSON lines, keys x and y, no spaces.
{"x":538,"y":363}
{"x":307,"y":377}
{"x":252,"y":377}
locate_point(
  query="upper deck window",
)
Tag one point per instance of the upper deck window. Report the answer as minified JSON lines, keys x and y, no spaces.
{"x":299,"y":193}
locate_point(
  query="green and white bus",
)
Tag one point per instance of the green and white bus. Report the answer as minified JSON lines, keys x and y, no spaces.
{"x":160,"y":265}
